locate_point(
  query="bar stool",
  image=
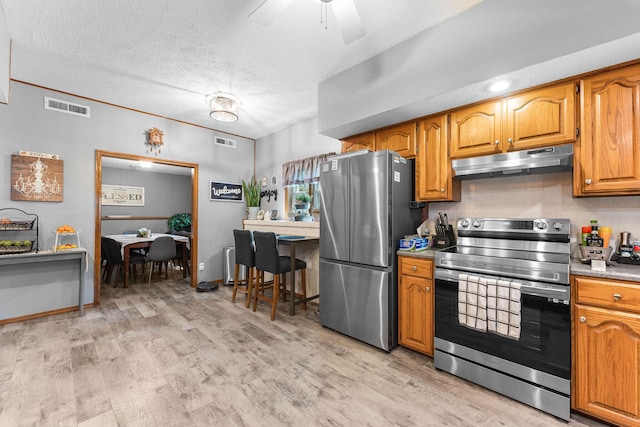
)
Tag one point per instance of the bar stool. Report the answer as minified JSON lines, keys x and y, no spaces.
{"x":268,"y":259}
{"x":245,"y":255}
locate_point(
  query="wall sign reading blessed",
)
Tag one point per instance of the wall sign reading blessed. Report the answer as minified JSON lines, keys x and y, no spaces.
{"x":122,"y":195}
{"x":226,"y":192}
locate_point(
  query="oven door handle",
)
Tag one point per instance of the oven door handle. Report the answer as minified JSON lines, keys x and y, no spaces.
{"x":546,"y":290}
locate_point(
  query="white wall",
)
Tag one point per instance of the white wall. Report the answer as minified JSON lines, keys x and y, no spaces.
{"x":26,"y":125}
{"x":296,"y":142}
{"x":452,"y":63}
{"x":5,"y":60}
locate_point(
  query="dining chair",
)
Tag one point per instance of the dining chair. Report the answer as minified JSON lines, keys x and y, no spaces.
{"x":161,"y":251}
{"x":245,"y":256}
{"x":179,"y":248}
{"x":268,"y":259}
{"x":112,"y":253}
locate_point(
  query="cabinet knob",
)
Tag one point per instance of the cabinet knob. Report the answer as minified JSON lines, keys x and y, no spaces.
{"x":617,"y":297}
{"x":427,"y":289}
{"x":442,"y":190}
{"x":497,"y":142}
{"x":414,"y":268}
{"x":587,"y":181}
{"x":583,"y":319}
{"x":511,"y":141}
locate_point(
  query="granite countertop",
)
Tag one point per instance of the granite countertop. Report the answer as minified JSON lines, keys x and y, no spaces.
{"x":428,"y":253}
{"x":614,"y":270}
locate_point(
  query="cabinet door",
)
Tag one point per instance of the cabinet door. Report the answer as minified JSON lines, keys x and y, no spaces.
{"x":365,"y":141}
{"x":607,"y":371}
{"x":541,"y":117}
{"x":476,"y":130}
{"x":401,"y":139}
{"x":415,"y":313}
{"x":609,"y":161}
{"x":433,"y":165}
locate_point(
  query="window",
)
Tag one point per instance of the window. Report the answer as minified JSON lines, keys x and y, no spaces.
{"x":311,"y":189}
{"x":303,"y":176}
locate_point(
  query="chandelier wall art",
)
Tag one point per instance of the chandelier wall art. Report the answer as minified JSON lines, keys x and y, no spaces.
{"x":37,"y":177}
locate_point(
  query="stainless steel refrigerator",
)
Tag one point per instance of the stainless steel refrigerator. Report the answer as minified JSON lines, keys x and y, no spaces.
{"x":364,"y":213}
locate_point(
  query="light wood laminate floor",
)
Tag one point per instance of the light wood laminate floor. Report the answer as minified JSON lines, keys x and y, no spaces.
{"x":165,"y":355}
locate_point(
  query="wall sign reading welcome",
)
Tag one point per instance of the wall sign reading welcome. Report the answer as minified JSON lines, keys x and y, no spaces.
{"x":122,"y":195}
{"x":226,"y":191}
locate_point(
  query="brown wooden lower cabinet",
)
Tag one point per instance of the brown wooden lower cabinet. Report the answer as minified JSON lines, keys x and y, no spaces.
{"x":606,"y":349}
{"x":415,"y":304}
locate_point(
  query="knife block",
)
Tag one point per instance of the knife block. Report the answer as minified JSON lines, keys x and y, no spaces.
{"x":444,"y":240}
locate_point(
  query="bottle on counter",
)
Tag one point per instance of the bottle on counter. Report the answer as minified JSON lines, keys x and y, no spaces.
{"x":605,"y":233}
{"x":586,"y":232}
{"x":594,"y":239}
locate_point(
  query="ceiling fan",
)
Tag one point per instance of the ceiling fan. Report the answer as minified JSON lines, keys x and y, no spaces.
{"x":345,"y":11}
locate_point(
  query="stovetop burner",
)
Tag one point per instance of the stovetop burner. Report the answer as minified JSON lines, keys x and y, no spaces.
{"x":530,"y":249}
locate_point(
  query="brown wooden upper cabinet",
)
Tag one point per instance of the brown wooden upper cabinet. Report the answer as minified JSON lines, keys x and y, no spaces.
{"x":533,"y":119}
{"x":400,"y":138}
{"x":608,"y":160}
{"x":364,"y":141}
{"x":434,"y":181}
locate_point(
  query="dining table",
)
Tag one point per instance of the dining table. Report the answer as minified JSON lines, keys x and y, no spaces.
{"x":292,"y":242}
{"x":129,"y":242}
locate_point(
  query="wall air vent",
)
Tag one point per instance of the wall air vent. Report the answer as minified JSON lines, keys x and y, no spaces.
{"x":66,"y":107}
{"x":226,"y":142}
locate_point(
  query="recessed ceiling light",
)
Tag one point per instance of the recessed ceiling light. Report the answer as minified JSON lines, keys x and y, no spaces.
{"x":499,"y":86}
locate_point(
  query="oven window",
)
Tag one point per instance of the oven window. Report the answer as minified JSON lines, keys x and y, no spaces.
{"x":545,"y":337}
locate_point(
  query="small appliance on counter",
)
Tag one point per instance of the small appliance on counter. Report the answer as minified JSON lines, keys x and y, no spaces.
{"x":628,"y":251}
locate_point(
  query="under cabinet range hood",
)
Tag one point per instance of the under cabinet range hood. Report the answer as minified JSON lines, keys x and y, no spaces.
{"x":525,"y":162}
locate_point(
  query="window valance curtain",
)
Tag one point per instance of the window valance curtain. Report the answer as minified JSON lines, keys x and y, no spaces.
{"x":303,"y":171}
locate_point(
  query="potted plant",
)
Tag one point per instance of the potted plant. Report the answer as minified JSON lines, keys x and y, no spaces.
{"x":252,"y":196}
{"x":303,"y":201}
{"x":179,"y":222}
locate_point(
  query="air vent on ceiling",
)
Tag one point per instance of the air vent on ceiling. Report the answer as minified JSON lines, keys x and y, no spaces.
{"x":226,"y":142}
{"x":66,"y":107}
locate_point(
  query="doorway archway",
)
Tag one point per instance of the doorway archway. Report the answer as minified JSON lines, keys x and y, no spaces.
{"x":107,"y":155}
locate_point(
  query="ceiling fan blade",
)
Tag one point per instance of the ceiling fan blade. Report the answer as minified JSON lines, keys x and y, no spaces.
{"x":268,"y":9}
{"x":348,"y":20}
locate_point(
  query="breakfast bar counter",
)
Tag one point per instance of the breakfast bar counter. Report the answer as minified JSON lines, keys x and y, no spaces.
{"x":308,"y":250}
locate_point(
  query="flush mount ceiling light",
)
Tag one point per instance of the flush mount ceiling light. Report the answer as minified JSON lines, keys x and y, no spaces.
{"x":224,"y":107}
{"x":499,"y":86}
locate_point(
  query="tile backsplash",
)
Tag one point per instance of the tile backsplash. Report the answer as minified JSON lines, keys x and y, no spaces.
{"x":542,"y":196}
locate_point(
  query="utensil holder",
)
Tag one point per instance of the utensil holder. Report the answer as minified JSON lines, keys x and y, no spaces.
{"x":444,"y":238}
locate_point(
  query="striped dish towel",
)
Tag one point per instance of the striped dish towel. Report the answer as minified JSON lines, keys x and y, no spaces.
{"x":507,"y":309}
{"x":472,"y":302}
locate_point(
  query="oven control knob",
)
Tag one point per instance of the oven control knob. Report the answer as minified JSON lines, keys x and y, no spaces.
{"x":476,"y":224}
{"x":464,"y":223}
{"x":541,"y":225}
{"x":557,"y":225}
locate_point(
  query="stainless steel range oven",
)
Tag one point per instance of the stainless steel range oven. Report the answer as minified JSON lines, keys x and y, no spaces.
{"x":502,"y":315}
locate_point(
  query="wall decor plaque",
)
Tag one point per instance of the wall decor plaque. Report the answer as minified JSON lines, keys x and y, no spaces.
{"x":226,"y":191}
{"x":37,"y":178}
{"x":122,"y":195}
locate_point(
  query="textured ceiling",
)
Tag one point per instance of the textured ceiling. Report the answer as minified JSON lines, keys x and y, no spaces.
{"x":165,"y":56}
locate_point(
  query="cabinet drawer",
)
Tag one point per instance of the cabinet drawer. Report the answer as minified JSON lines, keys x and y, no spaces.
{"x":608,"y":293}
{"x":416,"y":267}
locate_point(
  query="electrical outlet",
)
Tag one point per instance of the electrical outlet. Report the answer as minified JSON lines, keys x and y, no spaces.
{"x":201,"y":266}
